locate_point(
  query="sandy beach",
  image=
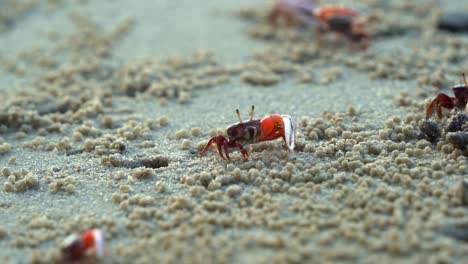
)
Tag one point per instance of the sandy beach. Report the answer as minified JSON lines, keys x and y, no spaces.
{"x":106,"y":106}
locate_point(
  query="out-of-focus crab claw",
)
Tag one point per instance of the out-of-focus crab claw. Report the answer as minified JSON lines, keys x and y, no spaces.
{"x":81,"y":246}
{"x":289,"y":131}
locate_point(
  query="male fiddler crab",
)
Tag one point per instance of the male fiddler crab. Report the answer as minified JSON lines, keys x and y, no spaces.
{"x":343,"y":21}
{"x":252,"y":131}
{"x":81,"y":246}
{"x":444,"y":101}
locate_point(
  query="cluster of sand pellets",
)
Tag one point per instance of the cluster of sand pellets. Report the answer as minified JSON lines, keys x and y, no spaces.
{"x":372,"y":175}
{"x":438,"y":64}
{"x":351,"y":191}
{"x":173,"y":79}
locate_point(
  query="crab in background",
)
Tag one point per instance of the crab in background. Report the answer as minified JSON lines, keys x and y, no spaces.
{"x":252,"y":131}
{"x":89,"y":244}
{"x":291,"y":12}
{"x":444,"y":101}
{"x":343,"y":21}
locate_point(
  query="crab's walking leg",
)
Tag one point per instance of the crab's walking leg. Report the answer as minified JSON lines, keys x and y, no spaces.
{"x":319,"y":35}
{"x":464,"y":80}
{"x":207,"y":146}
{"x":442,"y":100}
{"x":245,"y":154}
{"x":222,"y":147}
{"x":230,"y":144}
{"x":220,"y":142}
{"x":226,"y":150}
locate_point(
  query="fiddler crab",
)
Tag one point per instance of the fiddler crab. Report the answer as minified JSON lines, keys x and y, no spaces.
{"x":252,"y":131}
{"x":444,"y":101}
{"x":346,"y":22}
{"x":78,"y":247}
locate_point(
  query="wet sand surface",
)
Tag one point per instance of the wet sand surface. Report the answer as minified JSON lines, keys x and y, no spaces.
{"x":106,"y":106}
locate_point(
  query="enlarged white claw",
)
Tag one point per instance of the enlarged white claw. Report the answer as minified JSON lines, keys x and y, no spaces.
{"x":99,"y":242}
{"x":289,"y":131}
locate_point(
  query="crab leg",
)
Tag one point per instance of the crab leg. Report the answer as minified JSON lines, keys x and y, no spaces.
{"x":244,"y":152}
{"x":226,"y":150}
{"x":209,"y":144}
{"x":442,"y":100}
{"x":220,"y":143}
{"x":219,"y":140}
{"x":223,"y":145}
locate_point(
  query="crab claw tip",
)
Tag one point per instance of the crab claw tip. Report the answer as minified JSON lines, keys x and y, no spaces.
{"x":289,"y":131}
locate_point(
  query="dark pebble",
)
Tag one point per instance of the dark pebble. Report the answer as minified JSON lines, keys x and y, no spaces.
{"x":455,"y":22}
{"x":458,"y":231}
{"x":458,"y":139}
{"x":458,"y":123}
{"x":463,"y":192}
{"x":430,"y":131}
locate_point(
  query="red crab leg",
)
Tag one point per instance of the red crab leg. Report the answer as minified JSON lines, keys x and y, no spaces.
{"x":442,"y":100}
{"x":223,"y":145}
{"x":210,"y":143}
{"x":244,"y":152}
{"x":205,"y":149}
{"x":226,"y":150}
{"x":230,"y":144}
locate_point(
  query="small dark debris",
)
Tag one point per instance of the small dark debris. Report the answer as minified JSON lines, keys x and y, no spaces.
{"x":118,"y":145}
{"x":72,"y":152}
{"x":458,"y":139}
{"x":132,"y":89}
{"x":463,"y":192}
{"x":454,"y":22}
{"x":457,"y":131}
{"x":458,"y":231}
{"x":430,"y":131}
{"x":249,"y":15}
{"x":56,"y":106}
{"x":458,"y":123}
